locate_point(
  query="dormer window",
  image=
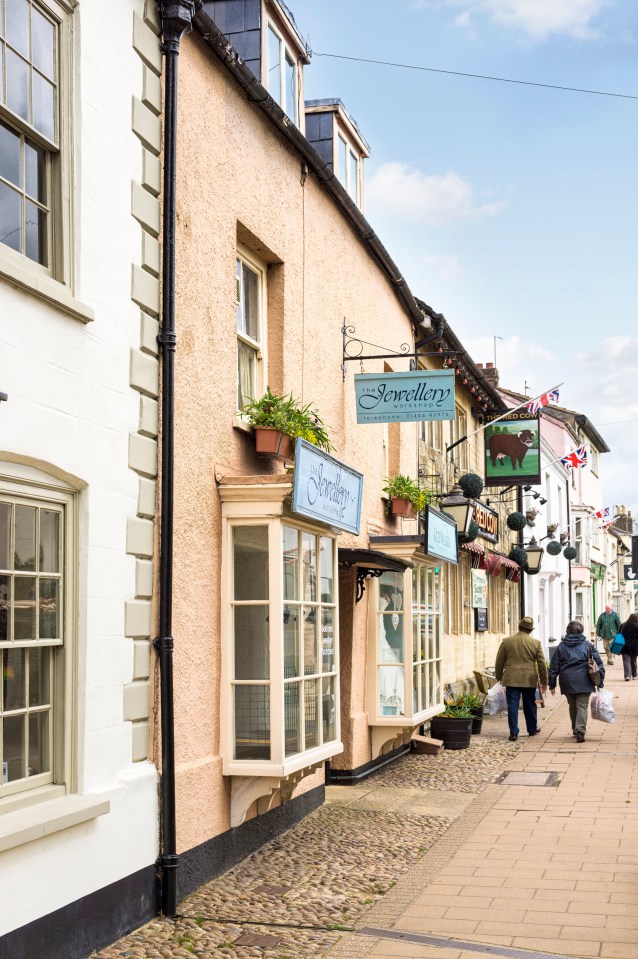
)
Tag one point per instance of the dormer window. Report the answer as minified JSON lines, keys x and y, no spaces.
{"x":348,"y":168}
{"x":281,"y":68}
{"x":336,"y":138}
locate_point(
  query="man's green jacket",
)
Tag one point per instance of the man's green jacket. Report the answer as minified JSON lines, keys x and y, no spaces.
{"x":520,"y":661}
{"x":608,"y":625}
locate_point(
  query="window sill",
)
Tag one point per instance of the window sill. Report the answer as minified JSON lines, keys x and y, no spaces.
{"x":43,"y":287}
{"x":242,"y":425}
{"x":312,"y":757}
{"x":34,"y":822}
{"x":406,"y":722}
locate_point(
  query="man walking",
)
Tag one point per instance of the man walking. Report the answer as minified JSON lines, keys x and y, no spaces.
{"x":520,"y":667}
{"x":606,"y":628}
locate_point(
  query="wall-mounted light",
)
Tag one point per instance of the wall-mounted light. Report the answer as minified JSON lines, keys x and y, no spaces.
{"x":526,"y":489}
{"x":543,"y":500}
{"x":460,"y":508}
{"x":535,"y":557}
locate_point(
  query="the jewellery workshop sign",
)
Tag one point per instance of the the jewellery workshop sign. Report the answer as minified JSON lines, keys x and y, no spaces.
{"x":487,"y":521}
{"x":405,"y":397}
{"x":512,"y":454}
{"x":325,"y":489}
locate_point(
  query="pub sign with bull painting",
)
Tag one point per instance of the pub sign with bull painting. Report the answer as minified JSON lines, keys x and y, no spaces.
{"x":512,"y":451}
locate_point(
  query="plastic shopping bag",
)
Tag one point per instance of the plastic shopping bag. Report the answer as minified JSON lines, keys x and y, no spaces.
{"x":496,"y":700}
{"x":602,"y":706}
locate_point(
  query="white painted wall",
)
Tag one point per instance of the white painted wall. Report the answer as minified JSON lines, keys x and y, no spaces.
{"x":71,"y":410}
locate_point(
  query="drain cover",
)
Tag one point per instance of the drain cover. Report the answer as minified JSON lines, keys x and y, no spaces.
{"x":254,"y":939}
{"x":528,"y":779}
{"x":272,"y":890}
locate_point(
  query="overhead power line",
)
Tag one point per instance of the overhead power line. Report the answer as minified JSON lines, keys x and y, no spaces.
{"x":479,"y":76}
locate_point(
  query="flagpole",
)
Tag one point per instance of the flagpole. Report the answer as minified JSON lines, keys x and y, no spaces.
{"x":513,"y":409}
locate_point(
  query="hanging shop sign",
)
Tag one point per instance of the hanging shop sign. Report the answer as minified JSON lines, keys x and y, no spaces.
{"x":479,"y":588}
{"x":325,"y":489}
{"x":512,"y":451}
{"x":440,"y":537}
{"x":405,"y":397}
{"x":487,"y":521}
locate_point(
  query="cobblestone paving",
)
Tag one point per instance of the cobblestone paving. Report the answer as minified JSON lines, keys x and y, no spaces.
{"x":330,"y":869}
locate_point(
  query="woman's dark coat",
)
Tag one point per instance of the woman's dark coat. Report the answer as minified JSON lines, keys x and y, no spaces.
{"x":630,"y":632}
{"x":569,"y":664}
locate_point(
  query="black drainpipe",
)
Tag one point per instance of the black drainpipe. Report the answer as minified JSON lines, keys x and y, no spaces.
{"x":176,"y":18}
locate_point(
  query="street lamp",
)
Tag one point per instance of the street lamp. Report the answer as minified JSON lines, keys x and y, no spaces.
{"x":534,"y":557}
{"x":460,"y":508}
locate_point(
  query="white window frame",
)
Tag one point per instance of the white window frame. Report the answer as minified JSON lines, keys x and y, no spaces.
{"x":55,"y":282}
{"x":345,"y":176}
{"x":259,"y":346}
{"x":39,"y":489}
{"x":238,"y":509}
{"x":286,"y":53}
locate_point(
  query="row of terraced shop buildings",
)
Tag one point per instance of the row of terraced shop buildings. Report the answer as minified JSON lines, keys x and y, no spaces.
{"x":187,"y":654}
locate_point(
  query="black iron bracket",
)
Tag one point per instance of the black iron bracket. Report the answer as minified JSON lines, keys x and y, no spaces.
{"x":350,"y":342}
{"x":362,"y":575}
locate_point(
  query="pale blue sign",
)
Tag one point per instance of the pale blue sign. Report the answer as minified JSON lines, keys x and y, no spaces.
{"x":440,"y":536}
{"x":403,"y":397}
{"x":326,"y":489}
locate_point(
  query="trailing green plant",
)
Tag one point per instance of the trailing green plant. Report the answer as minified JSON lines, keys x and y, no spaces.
{"x":289,"y":416}
{"x":404,"y":487}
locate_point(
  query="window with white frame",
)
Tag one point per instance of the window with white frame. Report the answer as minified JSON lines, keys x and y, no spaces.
{"x":578,"y":542}
{"x":250,"y":289}
{"x":281,"y":66}
{"x":579,"y":614}
{"x":34,"y":172}
{"x":35,"y":533}
{"x":595,"y":459}
{"x":347,"y":167}
{"x":283,"y":656}
{"x":407,"y":632}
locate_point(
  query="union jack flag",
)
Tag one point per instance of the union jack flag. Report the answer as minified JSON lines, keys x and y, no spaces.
{"x":605,"y":516}
{"x":537,"y":405}
{"x":576,"y":459}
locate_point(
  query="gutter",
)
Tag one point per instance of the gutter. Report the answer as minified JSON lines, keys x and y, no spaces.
{"x":257,"y":94}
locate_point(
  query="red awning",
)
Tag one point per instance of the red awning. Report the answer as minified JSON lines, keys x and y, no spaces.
{"x":476,"y":554}
{"x":493,"y":564}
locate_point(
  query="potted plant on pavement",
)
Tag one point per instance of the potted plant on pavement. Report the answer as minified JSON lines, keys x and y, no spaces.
{"x":279,"y":420}
{"x":405,"y":495}
{"x":476,"y":704}
{"x":453,"y":726}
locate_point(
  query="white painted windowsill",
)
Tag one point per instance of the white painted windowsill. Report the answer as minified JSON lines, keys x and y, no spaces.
{"x":43,"y":819}
{"x":44,"y":288}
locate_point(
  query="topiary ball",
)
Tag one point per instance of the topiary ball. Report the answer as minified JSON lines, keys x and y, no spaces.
{"x":570,"y":553}
{"x":471,"y":535}
{"x":519,"y":556}
{"x":553,"y":548}
{"x":472,"y":485}
{"x":516,"y":521}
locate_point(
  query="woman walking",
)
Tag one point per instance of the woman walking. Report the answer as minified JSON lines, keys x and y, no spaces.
{"x":630,"y":649}
{"x":569,"y":664}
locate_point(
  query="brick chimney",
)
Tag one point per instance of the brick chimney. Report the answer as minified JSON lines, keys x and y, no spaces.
{"x":490,"y":372}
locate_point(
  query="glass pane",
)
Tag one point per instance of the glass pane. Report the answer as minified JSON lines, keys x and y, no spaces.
{"x":327,"y":640}
{"x":416,"y":621}
{"x":13,"y":680}
{"x":291,"y":563}
{"x":326,"y":547}
{"x":342,"y":154}
{"x":13,"y":748}
{"x":17,"y":85}
{"x":391,"y":638}
{"x":49,"y":609}
{"x":352,"y":175}
{"x":17,"y":33}
{"x":9,"y":155}
{"x":291,"y":641}
{"x":39,"y":684}
{"x":36,"y":236}
{"x":391,"y":588}
{"x":10,"y":217}
{"x":329,"y":705}
{"x":310,"y":640}
{"x":250,"y":553}
{"x":426,"y":686}
{"x":24,"y":607}
{"x":35,"y":171}
{"x":251,"y":303}
{"x":246,"y":366}
{"x":292,"y":717}
{"x":5,"y":596}
{"x":391,"y":686}
{"x":252,"y":722}
{"x":44,"y":106}
{"x":311,"y":712}
{"x":274,"y":61}
{"x":5,"y":535}
{"x":416,"y":706}
{"x":38,"y":744}
{"x":252,"y":650}
{"x":49,"y":541}
{"x":291,"y":88}
{"x":42,"y":44}
{"x":25,"y":517}
{"x":309,"y":567}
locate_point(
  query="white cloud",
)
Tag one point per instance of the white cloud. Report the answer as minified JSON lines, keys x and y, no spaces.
{"x":402,"y":190}
{"x":447,"y":267}
{"x":539,"y":19}
{"x":616,"y":353}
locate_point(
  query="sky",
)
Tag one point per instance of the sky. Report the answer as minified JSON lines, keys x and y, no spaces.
{"x":511,"y":209}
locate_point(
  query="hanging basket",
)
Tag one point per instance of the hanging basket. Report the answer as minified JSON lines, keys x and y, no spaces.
{"x":519,"y":556}
{"x":516,"y":521}
{"x":472,"y":485}
{"x":553,"y":548}
{"x":270,"y":442}
{"x":570,"y":553}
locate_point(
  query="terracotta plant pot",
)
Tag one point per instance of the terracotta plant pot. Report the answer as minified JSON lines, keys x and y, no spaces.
{"x":270,"y":442}
{"x":401,"y":507}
